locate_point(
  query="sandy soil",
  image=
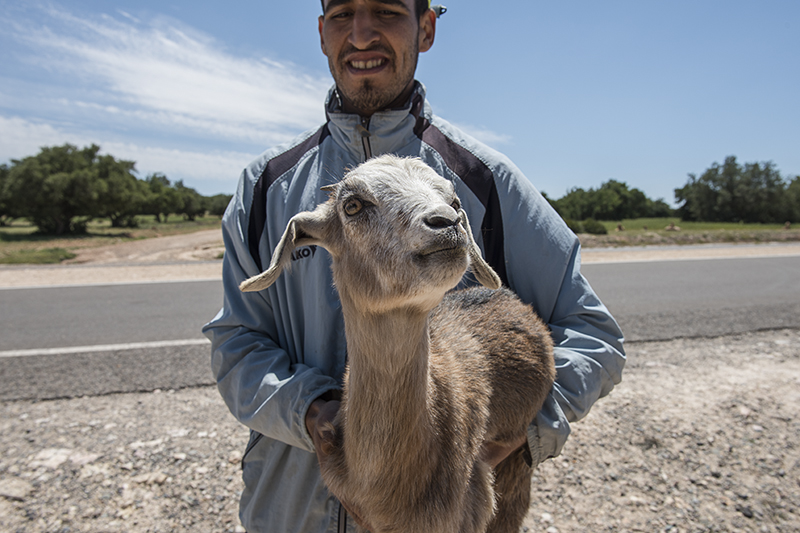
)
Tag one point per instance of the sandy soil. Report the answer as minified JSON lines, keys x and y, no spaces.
{"x":196,"y":256}
{"x":701,"y":436}
{"x":203,"y":245}
{"x":178,"y":257}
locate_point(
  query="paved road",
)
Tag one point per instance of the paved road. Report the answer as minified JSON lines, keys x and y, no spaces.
{"x":670,"y":299}
{"x":75,"y":341}
{"x":119,"y":330}
{"x":106,"y":314}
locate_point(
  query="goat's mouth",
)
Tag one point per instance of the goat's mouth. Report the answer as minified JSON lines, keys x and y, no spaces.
{"x":442,"y":249}
{"x":452,"y":244}
{"x":446,"y":246}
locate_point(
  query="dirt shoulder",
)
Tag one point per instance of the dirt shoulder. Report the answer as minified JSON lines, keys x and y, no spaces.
{"x":701,"y":435}
{"x":192,"y":256}
{"x":196,"y":256}
{"x":203,"y":245}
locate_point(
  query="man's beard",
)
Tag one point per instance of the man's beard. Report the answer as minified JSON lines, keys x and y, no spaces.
{"x":365,"y":96}
{"x":369,"y":99}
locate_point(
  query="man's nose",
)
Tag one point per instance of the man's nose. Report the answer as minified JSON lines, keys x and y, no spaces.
{"x":364,"y":32}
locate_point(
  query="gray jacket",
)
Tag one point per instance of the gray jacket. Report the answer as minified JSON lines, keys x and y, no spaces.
{"x":275,"y":351}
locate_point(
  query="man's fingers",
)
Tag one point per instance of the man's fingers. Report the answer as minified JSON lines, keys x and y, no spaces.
{"x":493,"y":453}
{"x":325,"y":430}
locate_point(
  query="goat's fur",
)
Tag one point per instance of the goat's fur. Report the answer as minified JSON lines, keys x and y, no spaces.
{"x":432,"y":376}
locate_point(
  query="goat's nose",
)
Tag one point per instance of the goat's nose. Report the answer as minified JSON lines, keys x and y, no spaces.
{"x":443,"y":217}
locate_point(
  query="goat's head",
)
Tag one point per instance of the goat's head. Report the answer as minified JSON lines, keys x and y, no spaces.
{"x":397,"y":235}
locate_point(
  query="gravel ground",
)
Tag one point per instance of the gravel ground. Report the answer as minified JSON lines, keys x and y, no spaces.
{"x":702,"y":435}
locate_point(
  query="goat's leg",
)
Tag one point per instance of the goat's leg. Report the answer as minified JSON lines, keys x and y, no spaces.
{"x":512,"y":489}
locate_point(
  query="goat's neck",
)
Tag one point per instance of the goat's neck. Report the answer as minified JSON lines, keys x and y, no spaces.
{"x":387,"y":385}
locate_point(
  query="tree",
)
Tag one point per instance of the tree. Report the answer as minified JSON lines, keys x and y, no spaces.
{"x":162,"y":199}
{"x":121,"y":195}
{"x":192,"y":204}
{"x":731,"y":192}
{"x":7,"y":212}
{"x":62,"y":188}
{"x":217,"y":204}
{"x":792,"y":200}
{"x":56,"y":189}
{"x":613,"y":200}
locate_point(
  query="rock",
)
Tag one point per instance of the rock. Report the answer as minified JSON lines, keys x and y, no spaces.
{"x":235,"y":457}
{"x":15,"y":489}
{"x":50,"y":458}
{"x":149,"y":444}
{"x":153,"y":478}
{"x":83,"y":458}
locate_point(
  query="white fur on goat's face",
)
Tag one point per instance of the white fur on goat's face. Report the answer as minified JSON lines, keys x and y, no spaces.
{"x":397,"y":235}
{"x":404,"y":241}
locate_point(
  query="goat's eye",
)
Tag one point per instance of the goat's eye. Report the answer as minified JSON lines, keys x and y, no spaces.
{"x":353,"y":206}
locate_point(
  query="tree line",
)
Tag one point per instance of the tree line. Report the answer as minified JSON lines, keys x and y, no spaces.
{"x":731,"y":192}
{"x":62,"y":188}
{"x":728,"y":192}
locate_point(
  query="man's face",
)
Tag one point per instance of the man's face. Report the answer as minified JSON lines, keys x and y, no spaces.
{"x":372,"y":48}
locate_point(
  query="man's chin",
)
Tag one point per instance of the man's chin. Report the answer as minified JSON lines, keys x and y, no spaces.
{"x":368,"y":99}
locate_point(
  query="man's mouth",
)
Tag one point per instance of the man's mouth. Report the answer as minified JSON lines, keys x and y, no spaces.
{"x":367,"y":65}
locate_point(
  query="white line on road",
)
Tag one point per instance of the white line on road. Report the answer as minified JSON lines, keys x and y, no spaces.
{"x":105,"y":284}
{"x":103,"y":348}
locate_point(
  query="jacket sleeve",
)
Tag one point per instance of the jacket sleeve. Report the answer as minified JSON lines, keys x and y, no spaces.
{"x":543,"y":266}
{"x":589,"y":359}
{"x":262,"y":385}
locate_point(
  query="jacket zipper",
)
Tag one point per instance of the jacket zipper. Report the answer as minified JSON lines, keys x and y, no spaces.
{"x":363,"y":129}
{"x":342,"y":526}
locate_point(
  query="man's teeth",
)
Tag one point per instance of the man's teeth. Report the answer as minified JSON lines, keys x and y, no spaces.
{"x":366,"y":65}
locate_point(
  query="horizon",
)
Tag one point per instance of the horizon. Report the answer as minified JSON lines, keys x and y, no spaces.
{"x":641,"y":94}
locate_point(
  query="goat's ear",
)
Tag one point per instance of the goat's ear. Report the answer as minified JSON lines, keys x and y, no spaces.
{"x":304,"y":229}
{"x":485,"y":275}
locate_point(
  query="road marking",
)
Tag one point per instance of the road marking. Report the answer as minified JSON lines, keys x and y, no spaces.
{"x":688,"y":253}
{"x":106,"y":284}
{"x":103,"y":348}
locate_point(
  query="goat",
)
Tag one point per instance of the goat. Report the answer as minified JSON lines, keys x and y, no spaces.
{"x":433,"y":374}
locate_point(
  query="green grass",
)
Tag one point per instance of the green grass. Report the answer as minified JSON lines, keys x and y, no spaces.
{"x":658,"y":224}
{"x":21,"y":243}
{"x":45,"y":256}
{"x":652,"y":231}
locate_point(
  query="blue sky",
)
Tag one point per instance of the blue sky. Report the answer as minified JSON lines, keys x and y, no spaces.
{"x":575,"y":92}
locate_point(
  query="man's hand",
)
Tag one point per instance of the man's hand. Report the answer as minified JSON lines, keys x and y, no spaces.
{"x":319,"y":423}
{"x":493,"y":453}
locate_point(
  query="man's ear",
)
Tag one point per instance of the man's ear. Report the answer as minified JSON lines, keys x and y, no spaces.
{"x":321,"y":39}
{"x":427,"y":30}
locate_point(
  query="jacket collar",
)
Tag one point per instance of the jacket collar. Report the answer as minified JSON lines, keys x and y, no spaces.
{"x":386,"y":131}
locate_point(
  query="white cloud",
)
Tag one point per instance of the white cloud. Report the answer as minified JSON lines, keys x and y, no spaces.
{"x":484,"y":135}
{"x":216,"y":166}
{"x":20,"y":138}
{"x":171,"y":77}
{"x":151,"y":91}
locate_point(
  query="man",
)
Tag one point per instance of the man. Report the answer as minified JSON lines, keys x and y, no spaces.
{"x":279,"y":355}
